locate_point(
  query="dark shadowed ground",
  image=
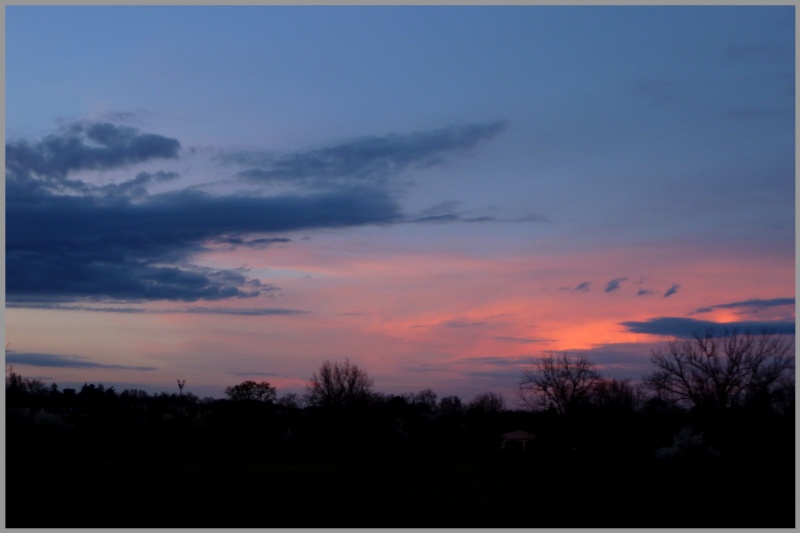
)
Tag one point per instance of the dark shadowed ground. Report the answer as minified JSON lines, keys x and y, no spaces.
{"x":502,"y":492}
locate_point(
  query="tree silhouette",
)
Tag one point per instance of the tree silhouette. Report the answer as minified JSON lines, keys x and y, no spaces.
{"x":731,"y":370}
{"x":250,"y":390}
{"x":564,"y":383}
{"x":613,"y":395}
{"x":338,"y":384}
{"x":487,"y":402}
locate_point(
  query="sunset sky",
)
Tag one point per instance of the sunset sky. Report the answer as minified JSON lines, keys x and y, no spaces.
{"x":441,"y":194}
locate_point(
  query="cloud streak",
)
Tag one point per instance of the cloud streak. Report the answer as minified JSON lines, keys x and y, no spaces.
{"x":520,"y":340}
{"x":64,"y":361}
{"x":365,"y":160}
{"x":687,"y":328}
{"x":584,"y":286}
{"x":241,"y":311}
{"x":752,"y":305}
{"x":614,"y":284}
{"x":672,"y":290}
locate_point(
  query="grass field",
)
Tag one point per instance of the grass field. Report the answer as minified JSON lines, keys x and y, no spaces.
{"x":381,"y":493}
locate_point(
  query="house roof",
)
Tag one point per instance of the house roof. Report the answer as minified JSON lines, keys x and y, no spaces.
{"x":518,"y":435}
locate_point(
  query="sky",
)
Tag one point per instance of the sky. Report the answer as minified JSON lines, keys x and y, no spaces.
{"x":440,"y":194}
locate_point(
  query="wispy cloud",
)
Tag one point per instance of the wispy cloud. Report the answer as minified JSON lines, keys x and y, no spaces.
{"x":614,"y":284}
{"x":234,"y":241}
{"x":751,"y":305}
{"x":500,"y":360}
{"x":454,"y":323}
{"x":64,"y":361}
{"x":521,"y":340}
{"x":365,"y":160}
{"x":462,"y":323}
{"x":446,"y":213}
{"x":254,"y":374}
{"x":584,"y":286}
{"x":672,"y":290}
{"x":243,"y":311}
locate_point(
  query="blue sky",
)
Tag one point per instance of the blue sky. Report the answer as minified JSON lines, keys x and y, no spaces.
{"x":334,"y":181}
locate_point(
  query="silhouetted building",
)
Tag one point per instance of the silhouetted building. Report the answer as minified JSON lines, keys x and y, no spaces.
{"x":516,"y":440}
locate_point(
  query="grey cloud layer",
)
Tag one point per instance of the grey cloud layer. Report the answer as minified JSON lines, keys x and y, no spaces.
{"x":71,"y":240}
{"x":83,"y":146}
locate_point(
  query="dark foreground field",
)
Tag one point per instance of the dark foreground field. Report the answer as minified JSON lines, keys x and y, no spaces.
{"x":503,"y":491}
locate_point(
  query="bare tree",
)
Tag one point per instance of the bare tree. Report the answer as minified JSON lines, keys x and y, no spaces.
{"x":563,"y":383}
{"x":426,"y":397}
{"x":487,"y":402}
{"x":338,"y":384}
{"x":613,"y":395}
{"x":724,"y":371}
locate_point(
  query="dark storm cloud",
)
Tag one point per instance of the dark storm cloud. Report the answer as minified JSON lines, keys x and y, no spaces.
{"x":614,"y":284}
{"x":687,"y":327}
{"x":366,"y":159}
{"x":750,"y":305}
{"x":672,"y":290}
{"x":64,"y":361}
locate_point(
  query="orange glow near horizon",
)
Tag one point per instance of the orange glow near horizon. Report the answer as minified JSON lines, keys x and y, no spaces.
{"x":443,"y":312}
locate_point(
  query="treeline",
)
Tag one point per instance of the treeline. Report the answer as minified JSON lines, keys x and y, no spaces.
{"x":99,"y":420}
{"x":577,"y":417}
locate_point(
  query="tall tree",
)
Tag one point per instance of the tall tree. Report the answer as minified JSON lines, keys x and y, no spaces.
{"x":338,"y":384}
{"x":564,"y":383}
{"x":731,"y":370}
